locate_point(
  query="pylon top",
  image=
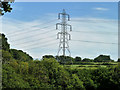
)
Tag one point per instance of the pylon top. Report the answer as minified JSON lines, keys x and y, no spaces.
{"x":64,"y":11}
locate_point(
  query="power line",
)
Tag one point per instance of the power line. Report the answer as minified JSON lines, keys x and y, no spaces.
{"x":34,"y":35}
{"x":33,"y":44}
{"x":92,"y":20}
{"x":113,"y":33}
{"x":34,"y":40}
{"x":72,"y":40}
{"x":95,"y":42}
{"x":49,"y":44}
{"x":24,"y":32}
{"x":28,"y":28}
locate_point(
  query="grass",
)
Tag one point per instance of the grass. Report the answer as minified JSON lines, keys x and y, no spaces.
{"x":93,"y":65}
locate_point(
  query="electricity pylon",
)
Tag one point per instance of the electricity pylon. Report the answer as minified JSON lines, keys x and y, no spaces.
{"x":64,"y":36}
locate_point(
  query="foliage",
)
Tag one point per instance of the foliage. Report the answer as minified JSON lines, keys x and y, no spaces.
{"x":6,"y":56}
{"x":20,"y":55}
{"x":9,"y":54}
{"x":105,"y":78}
{"x":48,"y":73}
{"x":86,"y":60}
{"x":56,"y":73}
{"x":5,"y":6}
{"x":77,"y":83}
{"x":77,"y":59}
{"x":48,"y":56}
{"x":118,"y":59}
{"x":10,"y":79}
{"x":102,"y":58}
{"x":64,"y":59}
{"x":4,"y":43}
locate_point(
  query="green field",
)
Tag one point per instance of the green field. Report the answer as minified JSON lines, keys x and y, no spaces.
{"x":91,"y":65}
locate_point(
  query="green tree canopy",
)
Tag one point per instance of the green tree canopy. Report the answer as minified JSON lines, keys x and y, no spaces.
{"x":5,"y":6}
{"x":48,"y":56}
{"x":118,"y":59}
{"x":77,"y":59}
{"x":20,"y":55}
{"x":86,"y":60}
{"x":3,"y":41}
{"x":102,"y":58}
{"x":9,"y":54}
{"x":64,"y":59}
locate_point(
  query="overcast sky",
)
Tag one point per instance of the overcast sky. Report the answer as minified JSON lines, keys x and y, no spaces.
{"x":31,"y":27}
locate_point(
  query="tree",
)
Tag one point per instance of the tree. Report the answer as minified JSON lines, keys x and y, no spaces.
{"x":86,"y":60}
{"x":6,"y":56}
{"x":118,"y":59}
{"x":48,"y":56}
{"x":102,"y":58}
{"x":64,"y":59}
{"x":5,"y":6}
{"x":77,"y":59}
{"x":107,"y":78}
{"x":10,"y":79}
{"x":77,"y":83}
{"x":9,"y":54}
{"x":20,"y":55}
{"x":3,"y":42}
{"x":58,"y":76}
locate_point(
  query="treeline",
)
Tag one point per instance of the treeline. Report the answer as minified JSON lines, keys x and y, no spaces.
{"x":79,"y":60}
{"x":19,"y":70}
{"x":10,"y":54}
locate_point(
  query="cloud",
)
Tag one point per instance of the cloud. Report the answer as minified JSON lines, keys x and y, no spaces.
{"x":28,"y":36}
{"x":101,"y":9}
{"x":94,"y":29}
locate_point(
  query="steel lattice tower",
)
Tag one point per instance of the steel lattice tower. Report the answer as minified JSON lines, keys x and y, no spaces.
{"x":64,"y":36}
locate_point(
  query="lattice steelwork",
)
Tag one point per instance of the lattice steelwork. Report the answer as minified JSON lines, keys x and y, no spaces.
{"x":64,"y":36}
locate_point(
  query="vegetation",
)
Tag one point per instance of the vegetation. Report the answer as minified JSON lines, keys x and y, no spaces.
{"x":118,"y":59}
{"x":5,"y":6}
{"x":102,"y":58}
{"x":20,"y":55}
{"x":19,"y":70}
{"x":77,"y":59}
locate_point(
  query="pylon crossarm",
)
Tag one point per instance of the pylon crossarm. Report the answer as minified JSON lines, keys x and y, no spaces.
{"x":70,"y":27}
{"x":59,"y":15}
{"x":68,"y":16}
{"x":69,"y":36}
{"x":57,"y":25}
{"x":58,"y":35}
